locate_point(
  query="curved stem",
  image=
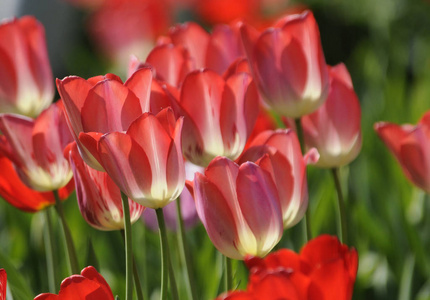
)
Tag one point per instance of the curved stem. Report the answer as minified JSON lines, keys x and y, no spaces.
{"x":128,"y":248}
{"x":185,"y":253}
{"x":50,"y":252}
{"x":342,"y":207}
{"x":71,"y":251}
{"x":228,"y":274}
{"x":300,"y":136}
{"x":166,"y":262}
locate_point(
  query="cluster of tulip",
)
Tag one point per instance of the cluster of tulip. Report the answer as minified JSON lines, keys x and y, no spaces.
{"x":199,"y":98}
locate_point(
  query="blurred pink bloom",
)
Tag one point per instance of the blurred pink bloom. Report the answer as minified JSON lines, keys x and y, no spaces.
{"x":36,"y":147}
{"x":99,"y":199}
{"x":335,"y":129}
{"x":278,"y":152}
{"x":26,"y":83}
{"x":188,"y":208}
{"x":219,"y":115}
{"x":239,"y":207}
{"x":103,"y":104}
{"x":288,"y":64}
{"x":411,"y":147}
{"x":88,"y":285}
{"x":3,"y":284}
{"x":146,"y":161}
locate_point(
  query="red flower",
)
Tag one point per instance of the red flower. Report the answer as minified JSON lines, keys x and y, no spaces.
{"x":89,"y":285}
{"x":26,"y":83}
{"x":324,"y":270}
{"x":411,"y":147}
{"x":3,"y":283}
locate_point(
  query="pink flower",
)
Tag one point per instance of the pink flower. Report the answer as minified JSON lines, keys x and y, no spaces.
{"x":288,"y":64}
{"x":26,"y":83}
{"x":410,"y":145}
{"x":103,"y":104}
{"x":334,"y":129}
{"x":239,"y":207}
{"x":145,"y":161}
{"x":3,"y":284}
{"x":219,"y":115}
{"x":36,"y":147}
{"x":88,"y":285}
{"x":278,"y":152}
{"x":99,"y":199}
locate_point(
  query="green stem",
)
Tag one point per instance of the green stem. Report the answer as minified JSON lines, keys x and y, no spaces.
{"x":342,"y":207}
{"x":300,"y":136}
{"x":228,"y":274}
{"x":185,"y":253}
{"x":71,"y":251}
{"x":136,"y":277}
{"x":166,"y":263}
{"x":50,"y":252}
{"x":128,"y":248}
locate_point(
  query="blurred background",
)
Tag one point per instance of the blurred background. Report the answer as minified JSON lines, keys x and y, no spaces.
{"x":385,"y":45}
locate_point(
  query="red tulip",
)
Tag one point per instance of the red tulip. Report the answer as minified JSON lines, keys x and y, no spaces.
{"x":288,"y":64}
{"x":146,"y":162}
{"x":36,"y":147}
{"x":115,"y":104}
{"x":279,"y":153}
{"x":219,"y":115}
{"x":99,"y":199}
{"x":22,"y":197}
{"x":334,"y":129}
{"x":411,"y":147}
{"x":89,"y":285}
{"x":26,"y":83}
{"x":239,"y":207}
{"x":324,"y":270}
{"x":3,"y":283}
{"x":225,"y":11}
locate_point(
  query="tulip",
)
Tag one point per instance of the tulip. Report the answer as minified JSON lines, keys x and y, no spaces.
{"x":17,"y":194}
{"x":88,"y":285}
{"x":224,"y":11}
{"x":334,"y":129}
{"x":36,"y":147}
{"x":146,"y":161}
{"x":219,"y":115}
{"x":3,"y":283}
{"x":410,"y":145}
{"x":99,"y":199}
{"x":287,"y":166}
{"x":239,"y":207}
{"x":26,"y":83}
{"x":117,"y":105}
{"x":324,"y":269}
{"x":288,"y":64}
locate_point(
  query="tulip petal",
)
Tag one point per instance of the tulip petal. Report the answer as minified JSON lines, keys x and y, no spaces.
{"x":140,"y":83}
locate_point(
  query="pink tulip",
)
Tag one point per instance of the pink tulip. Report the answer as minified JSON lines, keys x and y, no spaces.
{"x":239,"y":207}
{"x":146,"y":161}
{"x":411,"y":147}
{"x":278,"y":152}
{"x":288,"y":64}
{"x":26,"y":83}
{"x":103,"y":104}
{"x":219,"y":115}
{"x":334,"y":129}
{"x":99,"y":199}
{"x":36,"y":147}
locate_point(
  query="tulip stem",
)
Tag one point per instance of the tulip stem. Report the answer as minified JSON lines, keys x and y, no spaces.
{"x":300,"y":136}
{"x":50,"y":252}
{"x":342,"y":208}
{"x":128,"y":249}
{"x":185,"y":253}
{"x":137,"y":284}
{"x":228,"y":274}
{"x":166,"y":263}
{"x":71,"y":251}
